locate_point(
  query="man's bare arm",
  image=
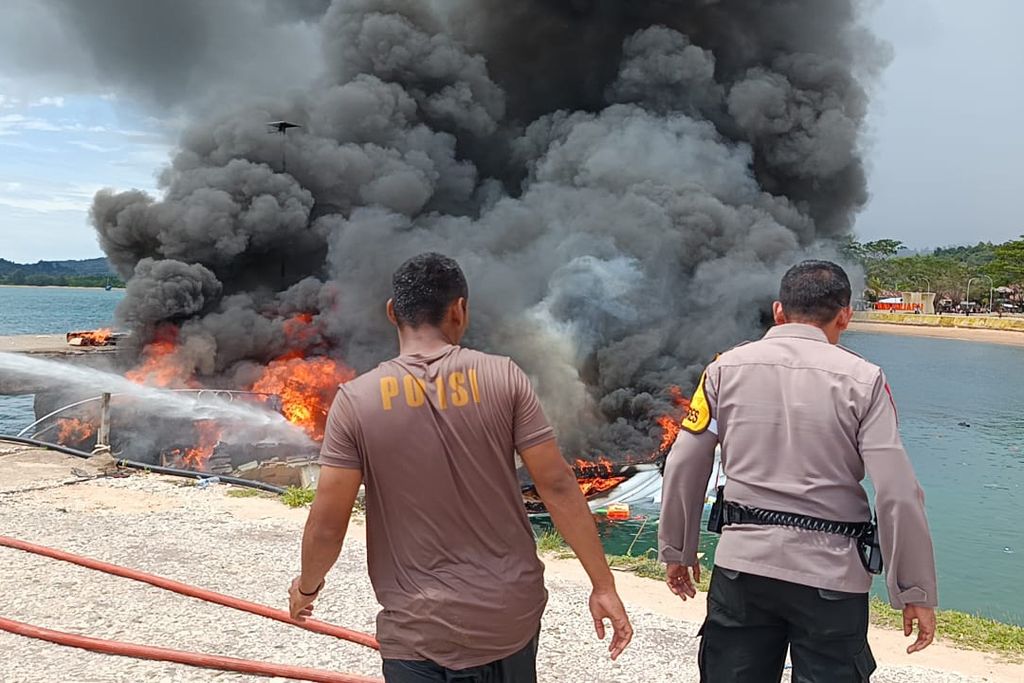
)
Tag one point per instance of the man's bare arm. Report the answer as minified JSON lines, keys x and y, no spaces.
{"x":557,"y":487}
{"x":324,"y":533}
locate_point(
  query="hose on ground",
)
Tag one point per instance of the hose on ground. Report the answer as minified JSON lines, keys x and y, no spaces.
{"x":157,"y":469}
{"x":116,"y":647}
{"x":192,"y":591}
{"x":179,"y":656}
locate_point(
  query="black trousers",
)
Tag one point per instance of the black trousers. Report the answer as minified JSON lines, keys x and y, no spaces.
{"x":752,"y":620}
{"x":520,"y":667}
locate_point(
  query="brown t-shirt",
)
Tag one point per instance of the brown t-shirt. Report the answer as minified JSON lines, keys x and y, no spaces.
{"x":450,"y":551}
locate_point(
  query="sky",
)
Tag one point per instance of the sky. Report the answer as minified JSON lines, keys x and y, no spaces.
{"x":55,"y":153}
{"x":944,"y":142}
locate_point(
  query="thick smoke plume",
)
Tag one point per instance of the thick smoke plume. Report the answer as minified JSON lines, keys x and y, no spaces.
{"x":623,"y":183}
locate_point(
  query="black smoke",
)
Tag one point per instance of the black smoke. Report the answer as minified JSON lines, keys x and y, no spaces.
{"x":624,"y":184}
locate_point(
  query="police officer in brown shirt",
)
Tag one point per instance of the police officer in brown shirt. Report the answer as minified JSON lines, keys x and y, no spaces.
{"x":800,"y":420}
{"x":433,"y":434}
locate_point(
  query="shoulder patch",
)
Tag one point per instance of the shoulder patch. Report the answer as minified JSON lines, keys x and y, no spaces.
{"x":698,"y":417}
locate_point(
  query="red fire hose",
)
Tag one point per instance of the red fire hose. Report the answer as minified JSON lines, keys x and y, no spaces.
{"x":180,"y":656}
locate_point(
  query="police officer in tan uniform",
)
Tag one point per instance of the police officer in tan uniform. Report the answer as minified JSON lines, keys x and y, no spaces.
{"x":800,"y":420}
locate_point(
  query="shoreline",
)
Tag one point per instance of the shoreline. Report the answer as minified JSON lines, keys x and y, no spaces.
{"x":112,"y":289}
{"x":967,"y":334}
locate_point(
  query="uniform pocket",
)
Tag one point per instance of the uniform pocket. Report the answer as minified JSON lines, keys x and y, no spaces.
{"x":726,"y":598}
{"x":865,"y":663}
{"x":837,"y":595}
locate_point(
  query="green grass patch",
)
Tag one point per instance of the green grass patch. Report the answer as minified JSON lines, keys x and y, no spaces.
{"x":960,"y":629}
{"x":242,"y":492}
{"x":643,"y":565}
{"x":650,"y":567}
{"x":551,"y":542}
{"x":646,"y":566}
{"x":298,"y":496}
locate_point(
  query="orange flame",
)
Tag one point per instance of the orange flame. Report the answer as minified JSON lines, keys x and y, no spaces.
{"x":161,"y":366}
{"x":71,"y":430}
{"x":208,"y":435}
{"x":306,"y":387}
{"x":591,"y":487}
{"x":90,"y":338}
{"x":594,"y":468}
{"x":670,"y":424}
{"x":593,"y":477}
{"x":669,"y":431}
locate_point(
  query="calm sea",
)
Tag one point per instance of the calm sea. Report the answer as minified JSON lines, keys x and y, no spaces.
{"x":48,"y":310}
{"x":973,"y":475}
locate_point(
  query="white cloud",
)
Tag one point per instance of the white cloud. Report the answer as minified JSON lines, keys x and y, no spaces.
{"x":93,"y":147}
{"x":43,"y":199}
{"x":8,"y":102}
{"x":11,"y":124}
{"x":48,"y":102}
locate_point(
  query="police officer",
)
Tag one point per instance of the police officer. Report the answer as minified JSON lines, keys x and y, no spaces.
{"x":799,"y":420}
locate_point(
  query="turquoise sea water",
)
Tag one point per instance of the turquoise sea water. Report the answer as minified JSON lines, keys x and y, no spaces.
{"x":973,"y":476}
{"x":48,"y":310}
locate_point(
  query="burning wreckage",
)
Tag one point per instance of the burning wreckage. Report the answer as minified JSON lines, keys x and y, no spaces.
{"x":300,"y":389}
{"x":204,"y":438}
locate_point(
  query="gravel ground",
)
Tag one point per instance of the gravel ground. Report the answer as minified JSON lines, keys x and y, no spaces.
{"x":198,"y":536}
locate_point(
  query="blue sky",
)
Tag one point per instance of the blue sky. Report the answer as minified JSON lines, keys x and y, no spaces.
{"x":945,"y":138}
{"x":944,"y":142}
{"x":55,"y":153}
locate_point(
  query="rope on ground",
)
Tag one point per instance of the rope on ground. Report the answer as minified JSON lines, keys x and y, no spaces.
{"x":179,"y":656}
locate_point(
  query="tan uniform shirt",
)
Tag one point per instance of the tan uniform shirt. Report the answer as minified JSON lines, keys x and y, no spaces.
{"x":799,"y":421}
{"x":450,"y":550}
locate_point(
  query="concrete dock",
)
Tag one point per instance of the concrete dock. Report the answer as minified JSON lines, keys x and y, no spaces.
{"x":48,"y":345}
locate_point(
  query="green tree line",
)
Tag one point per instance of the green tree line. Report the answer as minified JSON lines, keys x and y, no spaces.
{"x":945,"y":271}
{"x":41,"y":280}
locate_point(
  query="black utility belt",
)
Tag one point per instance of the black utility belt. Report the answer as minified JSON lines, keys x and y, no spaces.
{"x":724,"y":513}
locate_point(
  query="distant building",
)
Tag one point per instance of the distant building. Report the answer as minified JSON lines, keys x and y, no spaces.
{"x":908,"y":302}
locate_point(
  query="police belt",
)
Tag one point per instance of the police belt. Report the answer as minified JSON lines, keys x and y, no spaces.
{"x":724,"y":513}
{"x":734,"y":513}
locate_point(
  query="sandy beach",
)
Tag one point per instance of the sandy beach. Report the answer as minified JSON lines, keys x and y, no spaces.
{"x":249,"y":547}
{"x":958,"y":333}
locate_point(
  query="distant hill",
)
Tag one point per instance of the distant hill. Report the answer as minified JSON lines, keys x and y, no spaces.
{"x":94,"y":272}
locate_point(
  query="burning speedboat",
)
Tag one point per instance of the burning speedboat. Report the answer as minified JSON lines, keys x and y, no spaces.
{"x":199,"y":435}
{"x":604,"y":484}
